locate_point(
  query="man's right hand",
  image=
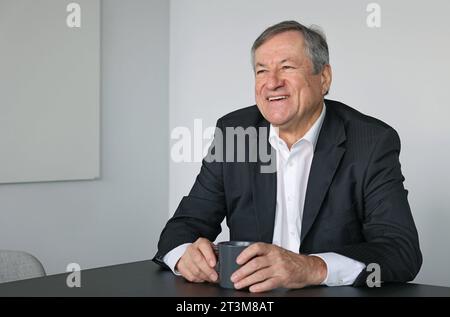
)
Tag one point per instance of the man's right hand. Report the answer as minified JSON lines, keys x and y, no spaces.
{"x":198,"y":262}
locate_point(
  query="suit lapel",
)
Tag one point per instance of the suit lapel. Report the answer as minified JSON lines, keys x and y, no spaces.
{"x":264,"y":189}
{"x":327,"y":156}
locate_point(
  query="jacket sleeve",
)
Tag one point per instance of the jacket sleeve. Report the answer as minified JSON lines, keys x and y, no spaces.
{"x":201,"y":213}
{"x":388,"y":226}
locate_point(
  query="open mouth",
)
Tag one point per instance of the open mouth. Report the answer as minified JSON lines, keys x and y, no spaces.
{"x":277,"y":98}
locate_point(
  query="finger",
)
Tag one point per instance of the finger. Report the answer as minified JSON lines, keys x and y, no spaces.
{"x":251,"y":251}
{"x":264,"y":286}
{"x":207,"y":250}
{"x":249,"y":268}
{"x":188,"y":268}
{"x":195,"y":274}
{"x":200,"y":268}
{"x":255,"y":278}
{"x":192,"y":278}
{"x":186,"y":273}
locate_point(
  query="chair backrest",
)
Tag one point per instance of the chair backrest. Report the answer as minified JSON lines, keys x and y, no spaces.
{"x":19,"y":265}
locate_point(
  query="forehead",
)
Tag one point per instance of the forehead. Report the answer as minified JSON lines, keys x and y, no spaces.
{"x":286,"y":45}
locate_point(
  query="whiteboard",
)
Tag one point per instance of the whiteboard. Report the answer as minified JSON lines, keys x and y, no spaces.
{"x":49,"y":91}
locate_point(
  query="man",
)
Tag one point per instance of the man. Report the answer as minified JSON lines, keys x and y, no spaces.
{"x":336,"y":202}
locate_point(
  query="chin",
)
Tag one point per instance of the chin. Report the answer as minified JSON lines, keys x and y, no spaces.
{"x":276,"y":121}
{"x":277,"y":118}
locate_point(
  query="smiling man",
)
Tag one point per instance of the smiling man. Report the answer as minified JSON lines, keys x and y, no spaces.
{"x":336,"y":202}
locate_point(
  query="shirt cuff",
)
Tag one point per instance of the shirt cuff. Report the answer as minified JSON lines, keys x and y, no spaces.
{"x":341,"y":270}
{"x":172,"y":257}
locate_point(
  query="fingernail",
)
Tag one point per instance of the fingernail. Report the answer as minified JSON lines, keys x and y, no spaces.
{"x":213,"y":277}
{"x":233,"y":278}
{"x":211,"y":263}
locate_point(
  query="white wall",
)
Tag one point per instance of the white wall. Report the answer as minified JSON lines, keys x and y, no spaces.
{"x":119,"y":217}
{"x":398,"y":73}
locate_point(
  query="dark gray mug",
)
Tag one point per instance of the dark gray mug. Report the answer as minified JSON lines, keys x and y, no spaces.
{"x":227,"y":253}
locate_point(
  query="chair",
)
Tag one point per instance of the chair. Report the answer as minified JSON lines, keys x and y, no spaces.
{"x":19,"y":265}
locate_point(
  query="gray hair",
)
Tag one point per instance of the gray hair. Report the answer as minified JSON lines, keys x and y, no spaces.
{"x":316,"y":46}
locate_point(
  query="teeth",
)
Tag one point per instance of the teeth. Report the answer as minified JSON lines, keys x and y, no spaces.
{"x":277,"y":98}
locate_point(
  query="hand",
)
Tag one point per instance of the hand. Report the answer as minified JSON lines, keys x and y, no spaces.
{"x":198,"y":262}
{"x":267,"y":266}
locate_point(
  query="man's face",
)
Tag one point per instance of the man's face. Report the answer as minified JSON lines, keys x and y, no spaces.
{"x":287,"y":93}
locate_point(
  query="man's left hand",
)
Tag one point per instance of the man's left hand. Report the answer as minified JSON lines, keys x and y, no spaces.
{"x":267,"y":266}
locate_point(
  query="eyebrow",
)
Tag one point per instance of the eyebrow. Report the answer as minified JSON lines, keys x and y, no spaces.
{"x":281,"y":62}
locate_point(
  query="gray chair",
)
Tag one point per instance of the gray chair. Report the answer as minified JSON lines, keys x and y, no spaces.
{"x":19,"y":265}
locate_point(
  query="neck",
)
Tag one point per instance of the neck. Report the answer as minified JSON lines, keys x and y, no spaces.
{"x":294,"y":132}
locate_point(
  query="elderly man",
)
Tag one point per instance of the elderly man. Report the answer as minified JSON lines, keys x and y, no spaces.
{"x":335,"y":203}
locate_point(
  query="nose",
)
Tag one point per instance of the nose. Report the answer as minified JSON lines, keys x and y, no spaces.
{"x":274,"y":81}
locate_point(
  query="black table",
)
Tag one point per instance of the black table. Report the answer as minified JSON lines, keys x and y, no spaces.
{"x":147,"y":279}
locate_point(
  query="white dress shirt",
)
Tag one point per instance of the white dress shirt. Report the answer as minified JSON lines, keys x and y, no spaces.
{"x":293,"y":167}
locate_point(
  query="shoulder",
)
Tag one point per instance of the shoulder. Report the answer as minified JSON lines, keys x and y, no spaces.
{"x":356,"y":122}
{"x":351,"y":116}
{"x":362,"y":131}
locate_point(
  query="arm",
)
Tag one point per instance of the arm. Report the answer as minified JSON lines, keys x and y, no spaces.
{"x":388,"y":226}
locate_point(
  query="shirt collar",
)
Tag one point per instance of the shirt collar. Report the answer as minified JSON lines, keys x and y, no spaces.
{"x":312,"y":135}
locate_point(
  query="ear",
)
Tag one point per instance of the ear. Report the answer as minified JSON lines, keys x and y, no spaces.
{"x":325,"y":79}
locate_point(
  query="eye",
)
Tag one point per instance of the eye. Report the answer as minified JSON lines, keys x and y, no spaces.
{"x":260,"y":71}
{"x":287,"y":67}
